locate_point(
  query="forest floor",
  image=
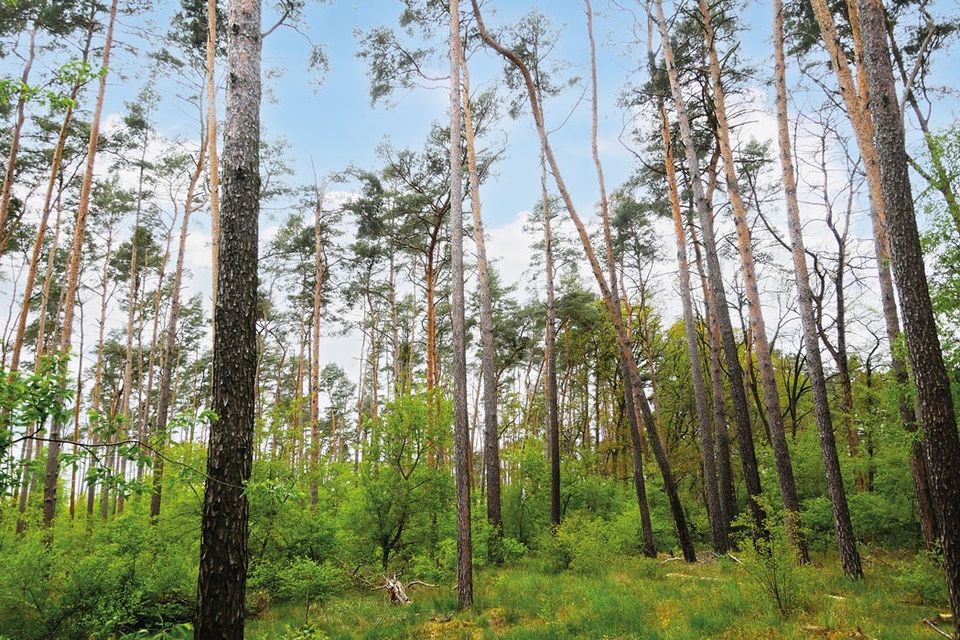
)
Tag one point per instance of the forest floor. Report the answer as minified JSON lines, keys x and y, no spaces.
{"x":630,"y":598}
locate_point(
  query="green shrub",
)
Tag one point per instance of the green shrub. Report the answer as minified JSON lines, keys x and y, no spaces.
{"x":770,"y":563}
{"x":922,"y":580}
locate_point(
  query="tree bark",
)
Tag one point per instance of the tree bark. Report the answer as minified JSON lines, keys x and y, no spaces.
{"x":551,"y":411}
{"x":846,"y":542}
{"x":73,"y":271}
{"x":214,"y":158}
{"x":718,"y":527}
{"x":862,"y":125}
{"x":223,"y":536}
{"x":461,"y":421}
{"x":934,"y":401}
{"x":771,"y":396}
{"x":623,"y":341}
{"x":170,"y":344}
{"x":491,"y":431}
{"x":315,"y":348}
{"x":748,"y":456}
{"x":11,"y":169}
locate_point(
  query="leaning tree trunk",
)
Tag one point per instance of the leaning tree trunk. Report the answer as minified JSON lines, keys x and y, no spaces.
{"x":748,"y":456}
{"x":461,"y":421}
{"x":771,"y":396}
{"x":223,"y":534}
{"x":934,"y":400}
{"x":863,"y":131}
{"x":73,"y":271}
{"x":170,"y":345}
{"x":821,"y":406}
{"x":55,"y":165}
{"x":623,"y":341}
{"x":7,"y":190}
{"x":491,"y":431}
{"x":718,"y":522}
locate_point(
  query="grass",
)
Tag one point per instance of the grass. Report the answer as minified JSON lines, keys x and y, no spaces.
{"x":631,"y":598}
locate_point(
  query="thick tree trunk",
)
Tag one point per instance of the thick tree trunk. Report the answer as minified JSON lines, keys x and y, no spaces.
{"x":73,"y":270}
{"x":170,"y":345}
{"x":461,"y":421}
{"x":849,"y":556}
{"x":223,"y":535}
{"x":771,"y":396}
{"x":748,"y":456}
{"x":934,"y":401}
{"x":863,"y":131}
{"x":491,"y":430}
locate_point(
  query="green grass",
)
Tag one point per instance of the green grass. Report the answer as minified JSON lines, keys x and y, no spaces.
{"x":629,"y":598}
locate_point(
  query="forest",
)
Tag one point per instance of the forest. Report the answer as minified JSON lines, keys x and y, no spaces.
{"x":631,"y":319}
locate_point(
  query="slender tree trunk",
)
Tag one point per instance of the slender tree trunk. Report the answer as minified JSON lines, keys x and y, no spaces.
{"x":718,"y":527}
{"x":55,"y":169}
{"x":461,"y":422}
{"x":623,"y":341}
{"x":315,"y":349}
{"x":551,"y":410}
{"x":132,"y":292}
{"x":934,"y":401}
{"x":170,"y":345}
{"x":748,"y":456}
{"x":771,"y":396}
{"x":491,"y":431}
{"x":11,"y":170}
{"x":728,"y":507}
{"x":223,"y":536}
{"x":73,"y":271}
{"x":214,"y":158}
{"x":849,"y":556}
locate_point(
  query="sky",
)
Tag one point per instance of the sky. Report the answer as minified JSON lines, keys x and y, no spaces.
{"x":331,"y":126}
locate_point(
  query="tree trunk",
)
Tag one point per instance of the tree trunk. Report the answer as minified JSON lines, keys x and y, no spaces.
{"x":934,"y":401}
{"x":11,"y":170}
{"x":223,"y":541}
{"x":55,"y":165}
{"x":170,"y":345}
{"x":771,"y":396}
{"x":491,"y":431}
{"x":863,"y":131}
{"x":551,"y":411}
{"x":748,"y":456}
{"x":718,"y":527}
{"x":73,"y":271}
{"x":461,"y":421}
{"x":846,"y":542}
{"x":214,"y":158}
{"x":623,"y":342}
{"x":315,"y":349}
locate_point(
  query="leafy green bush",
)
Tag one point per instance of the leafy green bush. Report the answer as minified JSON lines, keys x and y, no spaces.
{"x":770,"y":563}
{"x":921,"y":579}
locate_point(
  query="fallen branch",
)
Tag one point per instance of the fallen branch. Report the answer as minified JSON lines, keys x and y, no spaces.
{"x":933,"y":626}
{"x":396,"y":590}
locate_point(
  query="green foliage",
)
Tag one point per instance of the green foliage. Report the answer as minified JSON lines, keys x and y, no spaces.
{"x":921,"y":579}
{"x":772,"y":568}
